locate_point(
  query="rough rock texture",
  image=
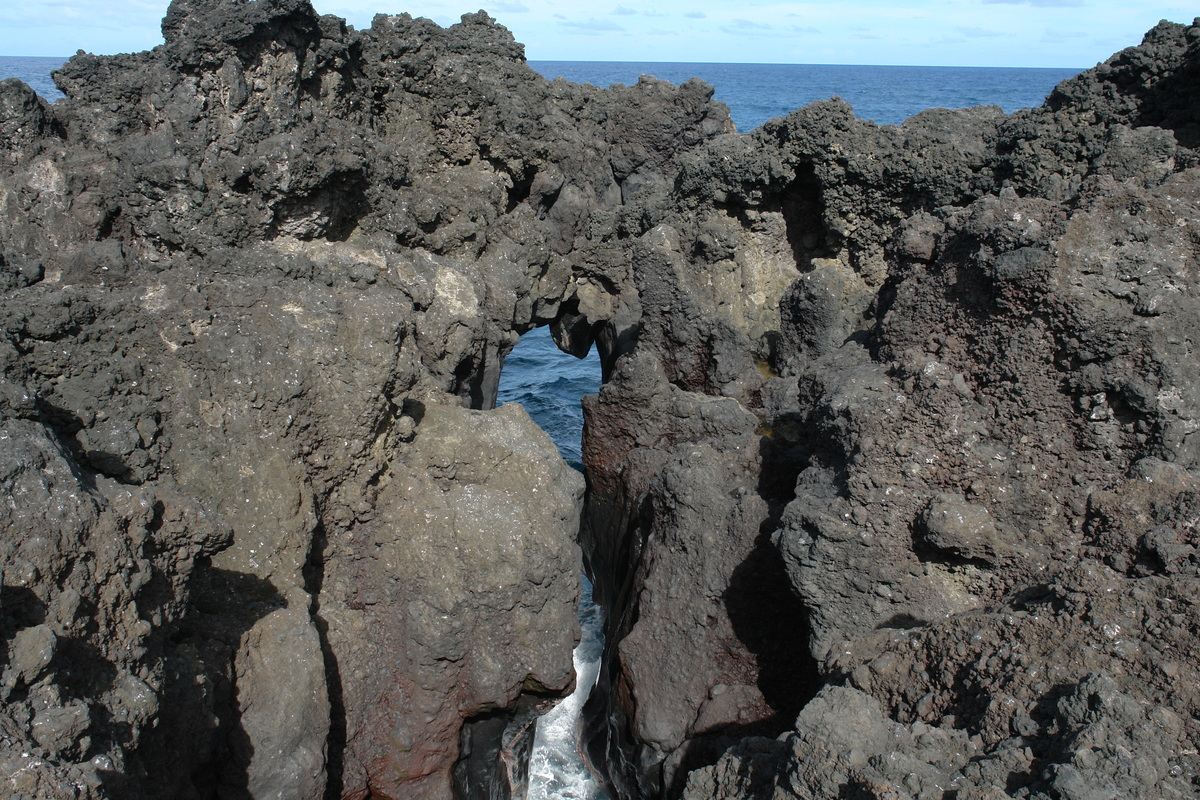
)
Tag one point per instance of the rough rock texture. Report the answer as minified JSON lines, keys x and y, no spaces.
{"x":253,"y":543}
{"x":458,"y":543}
{"x":892,"y":487}
{"x":979,"y":413}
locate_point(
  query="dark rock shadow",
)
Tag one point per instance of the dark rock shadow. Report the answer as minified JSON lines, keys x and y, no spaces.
{"x":770,"y":621}
{"x":803,"y":208}
{"x":330,"y":211}
{"x":65,"y":426}
{"x":200,"y":687}
{"x":314,"y":579}
{"x":494,"y":750}
{"x":607,"y":739}
{"x":1170,"y":104}
{"x":20,"y":608}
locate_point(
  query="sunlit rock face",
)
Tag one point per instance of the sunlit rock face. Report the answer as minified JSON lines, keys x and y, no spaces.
{"x":965,"y":442}
{"x":891,"y":486}
{"x":263,"y":535}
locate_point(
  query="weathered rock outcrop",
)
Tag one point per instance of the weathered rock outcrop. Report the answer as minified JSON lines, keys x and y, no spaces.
{"x":892,"y":486}
{"x":253,"y":543}
{"x":975,"y":416}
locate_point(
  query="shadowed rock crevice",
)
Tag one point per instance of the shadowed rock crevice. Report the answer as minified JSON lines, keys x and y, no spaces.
{"x":772,"y":623}
{"x":228,"y":605}
{"x":495,"y":748}
{"x":804,"y":211}
{"x":330,"y":211}
{"x":335,"y":747}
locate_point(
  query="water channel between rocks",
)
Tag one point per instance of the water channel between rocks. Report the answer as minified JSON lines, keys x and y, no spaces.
{"x":549,"y":383}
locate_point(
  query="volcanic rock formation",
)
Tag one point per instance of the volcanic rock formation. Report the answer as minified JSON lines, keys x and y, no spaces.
{"x":892,"y":485}
{"x":257,"y":542}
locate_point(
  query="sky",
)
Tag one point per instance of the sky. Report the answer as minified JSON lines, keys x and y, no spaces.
{"x":986,"y":33}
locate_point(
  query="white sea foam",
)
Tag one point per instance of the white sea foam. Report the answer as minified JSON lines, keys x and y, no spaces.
{"x":557,"y":771}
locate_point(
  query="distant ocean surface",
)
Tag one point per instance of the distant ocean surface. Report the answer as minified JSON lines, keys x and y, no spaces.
{"x":35,"y":71}
{"x":549,"y":383}
{"x":887,"y":95}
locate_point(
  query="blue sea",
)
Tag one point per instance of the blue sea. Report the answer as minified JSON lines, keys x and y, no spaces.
{"x":887,"y":95}
{"x":35,"y":71}
{"x":549,"y":383}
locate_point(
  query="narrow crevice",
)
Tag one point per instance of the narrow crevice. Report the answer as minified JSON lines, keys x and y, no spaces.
{"x":539,"y":375}
{"x":494,"y":751}
{"x":314,"y":578}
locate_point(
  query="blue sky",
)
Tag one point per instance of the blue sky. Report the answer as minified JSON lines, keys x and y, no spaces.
{"x":1020,"y":33}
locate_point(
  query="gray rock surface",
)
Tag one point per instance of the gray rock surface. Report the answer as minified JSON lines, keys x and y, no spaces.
{"x":455,"y":599}
{"x":988,"y":382}
{"x":245,"y":275}
{"x":892,"y":485}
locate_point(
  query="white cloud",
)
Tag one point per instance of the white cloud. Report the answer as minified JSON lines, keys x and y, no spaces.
{"x":593,"y":26}
{"x":508,"y":7}
{"x":745,"y":27}
{"x":978,"y":33}
{"x":1038,"y":3}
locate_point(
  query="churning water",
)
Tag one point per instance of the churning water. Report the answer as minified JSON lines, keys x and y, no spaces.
{"x":556,"y":769}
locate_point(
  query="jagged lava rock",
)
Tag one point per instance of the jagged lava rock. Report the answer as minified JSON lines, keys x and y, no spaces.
{"x":254,"y":544}
{"x":986,"y":371}
{"x":892,"y":483}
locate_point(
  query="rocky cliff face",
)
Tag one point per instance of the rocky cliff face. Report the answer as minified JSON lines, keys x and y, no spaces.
{"x":262,"y":536}
{"x":891,"y":486}
{"x":967,"y":440}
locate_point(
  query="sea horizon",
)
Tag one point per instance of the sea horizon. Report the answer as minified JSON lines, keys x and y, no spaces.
{"x":790,"y":64}
{"x":757,"y":92}
{"x":65,"y":58}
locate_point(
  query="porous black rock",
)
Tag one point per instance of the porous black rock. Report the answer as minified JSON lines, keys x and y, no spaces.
{"x":254,"y":544}
{"x":891,"y":486}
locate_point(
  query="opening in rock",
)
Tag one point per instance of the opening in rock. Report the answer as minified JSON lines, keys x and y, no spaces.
{"x":557,"y":769}
{"x":804,"y":211}
{"x":550,"y":383}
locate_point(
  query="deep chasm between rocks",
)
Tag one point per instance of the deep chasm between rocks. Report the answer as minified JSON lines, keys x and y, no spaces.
{"x":891,"y":486}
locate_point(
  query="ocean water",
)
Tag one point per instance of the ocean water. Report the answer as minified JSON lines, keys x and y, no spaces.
{"x":549,"y":383}
{"x":556,"y":769}
{"x":34,"y":70}
{"x":886,"y":95}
